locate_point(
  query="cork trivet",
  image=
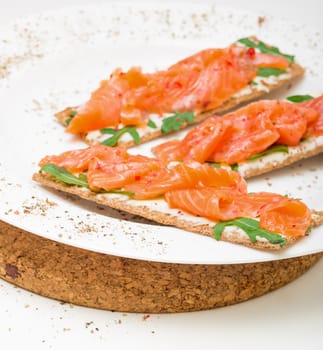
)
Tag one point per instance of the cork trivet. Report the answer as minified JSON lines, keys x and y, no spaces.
{"x":108,"y":282}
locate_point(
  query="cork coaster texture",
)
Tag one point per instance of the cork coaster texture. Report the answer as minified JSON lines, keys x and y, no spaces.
{"x":109,"y":282}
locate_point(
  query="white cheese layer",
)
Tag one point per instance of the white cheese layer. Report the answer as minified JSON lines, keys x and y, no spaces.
{"x":97,"y":137}
{"x":263,"y":84}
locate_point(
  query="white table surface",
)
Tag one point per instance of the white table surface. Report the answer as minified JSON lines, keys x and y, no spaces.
{"x":289,"y":318}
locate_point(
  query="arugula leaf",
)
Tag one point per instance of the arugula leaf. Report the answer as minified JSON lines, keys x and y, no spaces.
{"x":253,"y":83}
{"x":299,"y":98}
{"x":110,"y":131}
{"x":116,"y":134}
{"x":251,"y":228}
{"x":176,"y":121}
{"x":234,"y":167}
{"x":218,"y":229}
{"x":267,"y":72}
{"x":270,"y":150}
{"x":62,"y":175}
{"x":214,"y":164}
{"x":262,"y":47}
{"x":152,"y":124}
{"x":134,"y":134}
{"x":127,"y":193}
{"x":72,"y":113}
{"x":82,"y":177}
{"x":68,"y":120}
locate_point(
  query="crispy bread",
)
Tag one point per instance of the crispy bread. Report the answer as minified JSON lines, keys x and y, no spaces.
{"x":265,"y":85}
{"x":158,"y":211}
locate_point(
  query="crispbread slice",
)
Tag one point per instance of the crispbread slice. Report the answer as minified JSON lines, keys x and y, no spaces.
{"x":158,"y":210}
{"x":251,"y":92}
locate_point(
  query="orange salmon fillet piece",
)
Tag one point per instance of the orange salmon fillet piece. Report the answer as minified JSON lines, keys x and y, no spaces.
{"x":199,"y":189}
{"x":197,"y":83}
{"x":249,"y":130}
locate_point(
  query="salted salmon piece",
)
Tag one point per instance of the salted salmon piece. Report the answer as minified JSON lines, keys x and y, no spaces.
{"x":78,"y":160}
{"x":105,"y":105}
{"x":169,"y":151}
{"x":227,"y":139}
{"x":108,"y":176}
{"x":290,"y":120}
{"x":94,"y":114}
{"x":202,"y":81}
{"x":254,"y":204}
{"x":132,"y":116}
{"x":291,"y":219}
{"x":270,"y":61}
{"x":316,"y":126}
{"x":152,"y":185}
{"x":197,"y":83}
{"x":187,"y":175}
{"x":212,"y":203}
{"x":205,"y":202}
{"x":250,"y":130}
{"x":197,"y":145}
{"x":277,"y":213}
{"x":248,"y":135}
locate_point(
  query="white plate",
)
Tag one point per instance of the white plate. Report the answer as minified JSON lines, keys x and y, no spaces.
{"x":55,"y":59}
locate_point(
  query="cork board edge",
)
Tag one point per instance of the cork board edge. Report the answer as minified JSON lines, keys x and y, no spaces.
{"x":121,"y":284}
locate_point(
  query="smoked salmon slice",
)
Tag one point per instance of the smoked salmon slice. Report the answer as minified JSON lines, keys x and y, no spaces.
{"x":107,"y":176}
{"x":250,"y":130}
{"x":276,"y":213}
{"x":197,"y":83}
{"x":316,"y":126}
{"x":78,"y":160}
{"x":292,"y":218}
{"x":186,"y":175}
{"x":217,"y":194}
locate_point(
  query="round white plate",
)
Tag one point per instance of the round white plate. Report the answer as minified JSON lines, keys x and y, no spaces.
{"x":56,"y":59}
